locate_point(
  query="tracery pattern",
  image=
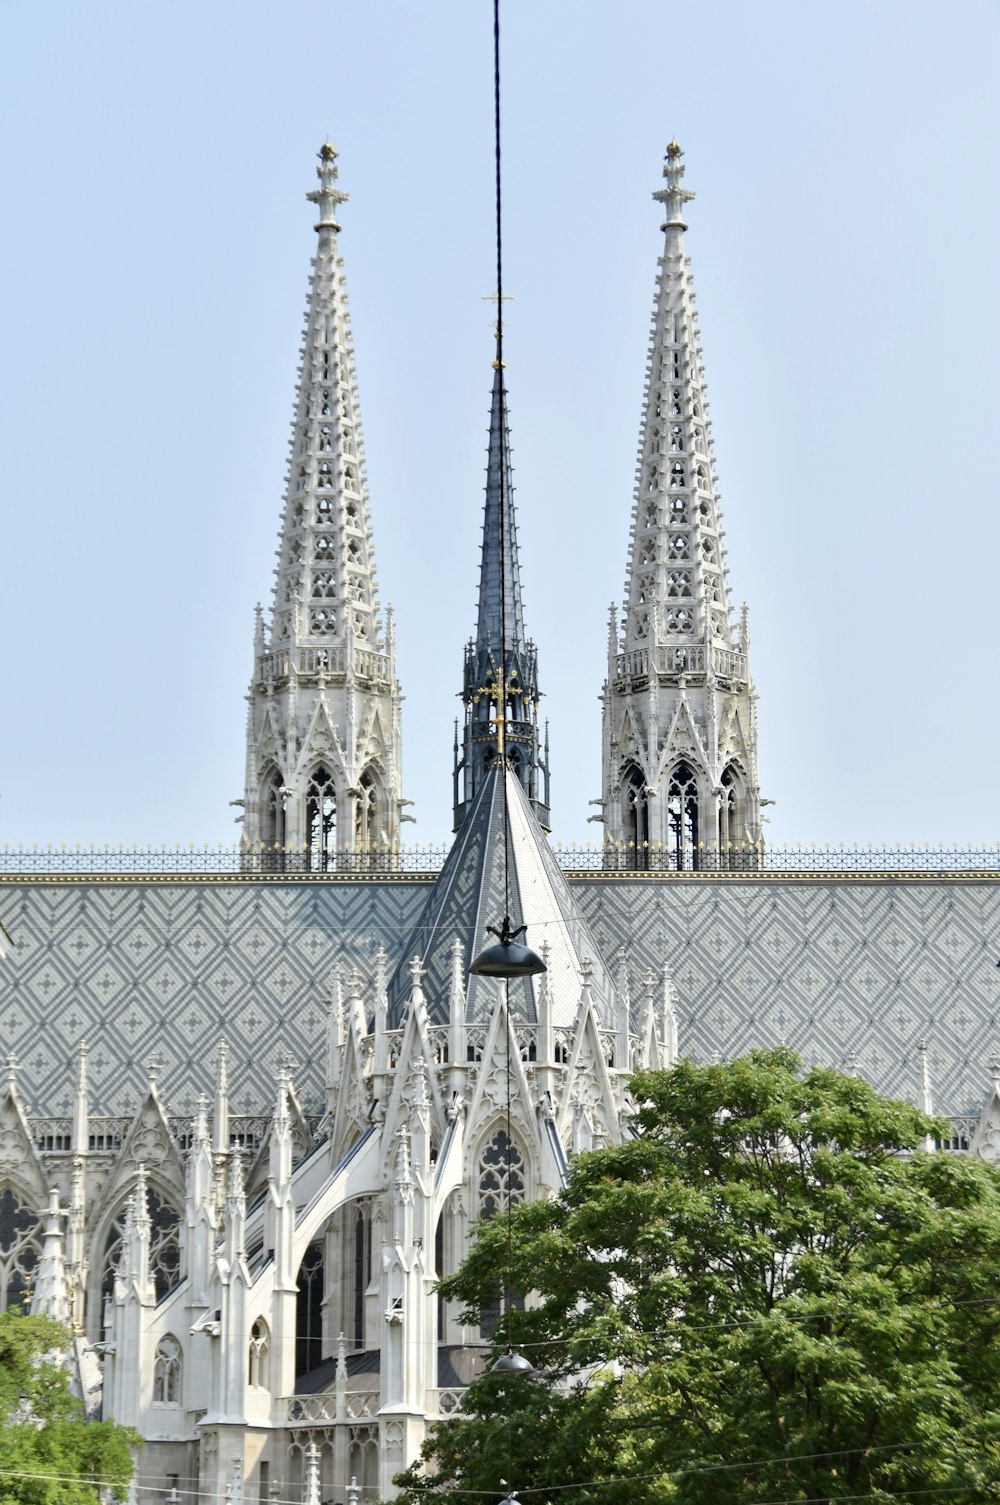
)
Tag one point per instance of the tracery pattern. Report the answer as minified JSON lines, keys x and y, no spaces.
{"x":20,"y":1249}
{"x":164,"y":1247}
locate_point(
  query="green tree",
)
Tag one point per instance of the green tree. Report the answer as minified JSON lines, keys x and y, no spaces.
{"x":771,"y":1293}
{"x":48,"y":1454}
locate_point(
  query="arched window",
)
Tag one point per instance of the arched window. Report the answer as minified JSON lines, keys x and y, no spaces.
{"x":164,"y":1247}
{"x":635,"y":816}
{"x":366,"y":830}
{"x":309,"y":1311}
{"x":682,"y":817}
{"x":259,"y":1355}
{"x":272,"y":828}
{"x":20,"y":1248}
{"x":501,"y":1175}
{"x":731,"y":831}
{"x":501,"y":1186}
{"x":167,"y":1372}
{"x":361,"y":1260}
{"x":321,"y":821}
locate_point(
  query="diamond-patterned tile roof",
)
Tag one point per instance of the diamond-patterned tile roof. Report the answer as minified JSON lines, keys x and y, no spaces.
{"x":142,"y":967}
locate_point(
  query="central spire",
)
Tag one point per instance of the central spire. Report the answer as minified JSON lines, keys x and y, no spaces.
{"x":500,"y":689}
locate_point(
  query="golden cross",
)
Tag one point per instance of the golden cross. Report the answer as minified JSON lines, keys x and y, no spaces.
{"x":498,"y":692}
{"x":494,"y":298}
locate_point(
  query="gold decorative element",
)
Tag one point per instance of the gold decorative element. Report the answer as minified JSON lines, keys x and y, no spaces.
{"x":327,"y":152}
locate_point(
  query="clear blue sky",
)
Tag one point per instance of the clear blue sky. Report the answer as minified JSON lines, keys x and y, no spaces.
{"x":845,"y":250}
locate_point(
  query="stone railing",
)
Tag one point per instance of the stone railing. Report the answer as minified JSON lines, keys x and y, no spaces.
{"x":369,"y":663}
{"x":295,"y":1409}
{"x":686,"y":658}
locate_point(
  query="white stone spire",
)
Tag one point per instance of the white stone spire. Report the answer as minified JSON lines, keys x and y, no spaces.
{"x":323,"y":758}
{"x":680,"y":754}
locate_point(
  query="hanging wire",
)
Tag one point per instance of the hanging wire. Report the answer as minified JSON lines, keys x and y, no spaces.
{"x":502,"y":446}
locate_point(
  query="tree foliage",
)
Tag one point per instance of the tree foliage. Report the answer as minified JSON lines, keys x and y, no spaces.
{"x":48,"y":1454}
{"x":772,"y":1293}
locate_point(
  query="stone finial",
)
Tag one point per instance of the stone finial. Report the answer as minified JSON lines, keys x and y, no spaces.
{"x":674,"y":196}
{"x":327,"y":196}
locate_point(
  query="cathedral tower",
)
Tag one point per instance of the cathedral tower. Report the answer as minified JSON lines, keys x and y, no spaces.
{"x":679,"y":730}
{"x":323,"y":731}
{"x":501,"y":663}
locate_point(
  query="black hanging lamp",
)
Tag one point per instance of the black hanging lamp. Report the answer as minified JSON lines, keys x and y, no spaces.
{"x":507,"y":957}
{"x":510,"y":1362}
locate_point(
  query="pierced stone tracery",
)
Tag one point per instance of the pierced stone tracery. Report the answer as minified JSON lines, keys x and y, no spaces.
{"x":164,"y":1246}
{"x":20,"y":1249}
{"x":321,"y":820}
{"x":501,"y":1175}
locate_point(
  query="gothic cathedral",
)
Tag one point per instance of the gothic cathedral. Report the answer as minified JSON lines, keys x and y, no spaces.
{"x":251,"y":1117}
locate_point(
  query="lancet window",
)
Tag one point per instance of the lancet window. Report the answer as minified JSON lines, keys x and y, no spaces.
{"x":682,"y":817}
{"x":635,"y":816}
{"x":309,"y":1310}
{"x":167,"y":1372}
{"x":361,"y":1262}
{"x":259,"y":1355}
{"x":729,"y":810}
{"x":367,"y":825}
{"x":20,"y":1249}
{"x":273,"y":831}
{"x":321,"y":820}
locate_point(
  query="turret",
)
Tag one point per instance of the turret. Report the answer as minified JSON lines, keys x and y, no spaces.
{"x":500,"y":682}
{"x":323,"y":755}
{"x":679,"y":745}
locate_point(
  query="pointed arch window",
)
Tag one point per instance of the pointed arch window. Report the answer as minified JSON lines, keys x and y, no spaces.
{"x":501,"y":1175}
{"x":273,"y":823}
{"x":635,"y":816}
{"x":259,"y":1355}
{"x":20,"y":1250}
{"x":321,"y":821}
{"x":682,"y":817}
{"x":731,"y":816}
{"x":366,"y":829}
{"x":325,"y":474}
{"x":361,"y":1274}
{"x":164,"y":1246}
{"x":309,"y":1310}
{"x":167,"y":1372}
